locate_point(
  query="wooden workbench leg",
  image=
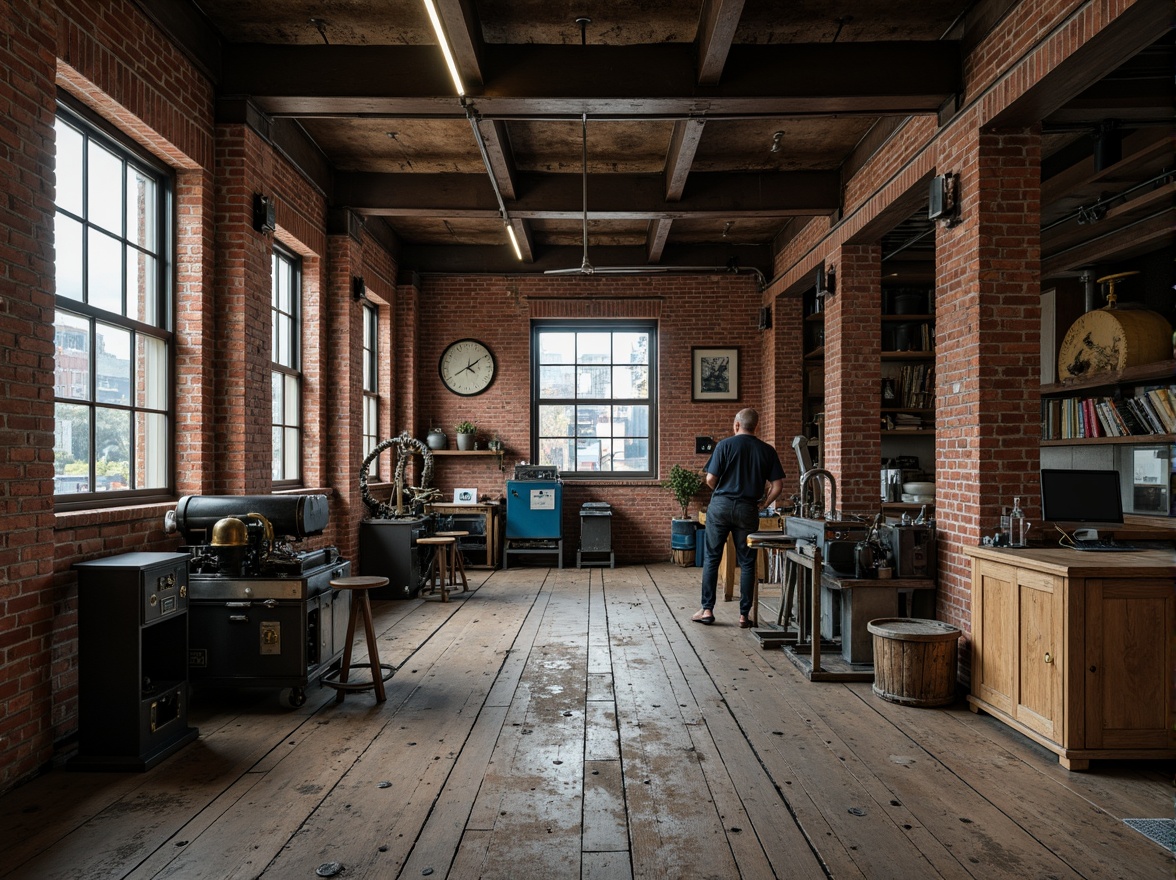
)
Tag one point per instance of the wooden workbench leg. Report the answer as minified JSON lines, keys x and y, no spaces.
{"x":727,"y":568}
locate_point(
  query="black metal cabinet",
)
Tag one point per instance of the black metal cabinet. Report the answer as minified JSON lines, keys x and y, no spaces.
{"x":132,"y":661}
{"x":388,"y":548}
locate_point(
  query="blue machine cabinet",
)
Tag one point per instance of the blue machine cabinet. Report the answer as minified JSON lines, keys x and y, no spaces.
{"x":534,"y":518}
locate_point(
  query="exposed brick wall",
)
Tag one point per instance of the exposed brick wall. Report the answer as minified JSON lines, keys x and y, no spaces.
{"x":196,"y":361}
{"x":716,"y":310}
{"x":108,"y":55}
{"x":853,"y":446}
{"x":27,"y":592}
{"x":784,"y":385}
{"x":979,"y":466}
{"x":242,"y":306}
{"x":343,"y":406}
{"x":989,"y":427}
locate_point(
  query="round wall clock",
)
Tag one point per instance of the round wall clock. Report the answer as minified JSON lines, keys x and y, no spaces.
{"x":467,"y":367}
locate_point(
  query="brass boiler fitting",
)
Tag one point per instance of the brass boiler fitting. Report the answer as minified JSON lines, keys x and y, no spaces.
{"x":233,"y":531}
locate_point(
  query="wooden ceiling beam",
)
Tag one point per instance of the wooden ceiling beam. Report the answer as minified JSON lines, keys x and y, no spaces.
{"x":683,"y":145}
{"x":1132,"y":31}
{"x":535,"y":81}
{"x":614,"y":196}
{"x":716,"y":32}
{"x":499,"y":155}
{"x":459,"y":18}
{"x":500,"y":259}
{"x":1120,"y":244}
{"x":655,"y":244}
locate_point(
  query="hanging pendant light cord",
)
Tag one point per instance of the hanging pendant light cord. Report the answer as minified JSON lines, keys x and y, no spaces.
{"x":584,"y":264}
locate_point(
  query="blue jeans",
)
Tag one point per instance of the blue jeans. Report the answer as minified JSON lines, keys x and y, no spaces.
{"x":728,"y":516}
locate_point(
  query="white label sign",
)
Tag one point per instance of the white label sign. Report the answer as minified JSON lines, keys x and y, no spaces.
{"x":542,"y":499}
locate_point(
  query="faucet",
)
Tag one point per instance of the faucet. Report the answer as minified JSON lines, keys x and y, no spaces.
{"x":815,"y":507}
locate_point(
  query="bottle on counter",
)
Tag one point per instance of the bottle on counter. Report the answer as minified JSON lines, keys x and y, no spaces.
{"x":1018,"y":526}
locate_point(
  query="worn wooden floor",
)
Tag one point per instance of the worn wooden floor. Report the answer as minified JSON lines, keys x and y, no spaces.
{"x":575,"y":723}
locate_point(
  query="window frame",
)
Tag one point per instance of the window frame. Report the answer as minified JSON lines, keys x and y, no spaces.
{"x":95,"y":129}
{"x":611,"y":326}
{"x":371,"y":384}
{"x":294,"y":368}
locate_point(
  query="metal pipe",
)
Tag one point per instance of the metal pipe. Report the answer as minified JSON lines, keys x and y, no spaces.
{"x":1089,"y":289}
{"x":821,"y":474}
{"x":486,"y":160}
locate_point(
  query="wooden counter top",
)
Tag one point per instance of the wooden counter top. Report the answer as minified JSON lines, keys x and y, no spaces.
{"x":1076,"y":563}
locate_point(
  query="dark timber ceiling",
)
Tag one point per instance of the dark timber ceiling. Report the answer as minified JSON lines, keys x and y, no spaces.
{"x":685,"y":103}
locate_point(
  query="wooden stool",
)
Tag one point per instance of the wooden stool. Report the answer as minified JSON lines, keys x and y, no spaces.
{"x":438,"y":567}
{"x":773,"y":543}
{"x":456,"y":560}
{"x":360,"y":606}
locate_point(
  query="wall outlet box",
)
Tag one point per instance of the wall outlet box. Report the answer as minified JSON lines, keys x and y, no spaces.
{"x":704,"y":445}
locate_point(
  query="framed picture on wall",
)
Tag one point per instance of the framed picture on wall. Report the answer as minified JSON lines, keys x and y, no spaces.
{"x":715,"y":374}
{"x":465,"y":496}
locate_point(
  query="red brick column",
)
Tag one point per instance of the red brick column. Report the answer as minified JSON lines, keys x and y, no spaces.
{"x":784,"y":386}
{"x":195,"y":325}
{"x":408,"y":414}
{"x":853,"y":446}
{"x":343,"y":405}
{"x":987,"y":355}
{"x":242,"y":425}
{"x":27,"y":594}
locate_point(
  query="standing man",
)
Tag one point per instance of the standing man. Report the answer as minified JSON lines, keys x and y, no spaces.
{"x":738,"y":471}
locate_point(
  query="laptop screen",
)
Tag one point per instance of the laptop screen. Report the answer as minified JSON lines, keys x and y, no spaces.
{"x":1088,"y":497}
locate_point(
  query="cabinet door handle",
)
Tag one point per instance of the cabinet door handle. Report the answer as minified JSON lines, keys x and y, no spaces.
{"x":1048,"y":657}
{"x":238,"y":618}
{"x":1094,"y":669}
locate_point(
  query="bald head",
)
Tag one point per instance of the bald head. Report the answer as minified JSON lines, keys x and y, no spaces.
{"x":747,"y":419}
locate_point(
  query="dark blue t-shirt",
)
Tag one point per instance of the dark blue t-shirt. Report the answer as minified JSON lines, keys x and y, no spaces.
{"x":743,"y":463}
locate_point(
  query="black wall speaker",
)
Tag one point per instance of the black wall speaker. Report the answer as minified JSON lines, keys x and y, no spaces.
{"x":941,"y":197}
{"x":265,"y":213}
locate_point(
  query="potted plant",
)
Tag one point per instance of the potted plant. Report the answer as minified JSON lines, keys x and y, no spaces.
{"x":466,"y":433}
{"x":684,"y":484}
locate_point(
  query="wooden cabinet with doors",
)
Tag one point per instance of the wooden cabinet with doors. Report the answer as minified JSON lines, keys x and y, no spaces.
{"x":1076,"y":650}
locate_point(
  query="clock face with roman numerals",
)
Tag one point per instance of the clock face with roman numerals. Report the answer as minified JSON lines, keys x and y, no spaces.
{"x":467,"y":367}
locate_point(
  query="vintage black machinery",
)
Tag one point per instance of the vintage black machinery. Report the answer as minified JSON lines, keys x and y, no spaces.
{"x":388,"y":537}
{"x":261,"y":613}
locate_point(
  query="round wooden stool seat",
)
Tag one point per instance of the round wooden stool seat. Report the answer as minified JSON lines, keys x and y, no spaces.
{"x":361,"y":606}
{"x":360,"y":582}
{"x":440,"y":562}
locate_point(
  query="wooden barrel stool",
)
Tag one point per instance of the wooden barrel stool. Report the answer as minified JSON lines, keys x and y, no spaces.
{"x":456,"y":560}
{"x":437,"y":571}
{"x":361,"y":606}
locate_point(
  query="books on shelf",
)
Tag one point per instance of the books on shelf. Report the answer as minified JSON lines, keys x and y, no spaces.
{"x":1151,"y":411}
{"x":916,"y":386}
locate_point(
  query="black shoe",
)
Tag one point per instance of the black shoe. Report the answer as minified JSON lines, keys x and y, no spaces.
{"x":707,"y":620}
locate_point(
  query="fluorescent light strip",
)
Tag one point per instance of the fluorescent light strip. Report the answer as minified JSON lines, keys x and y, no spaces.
{"x":440,"y":32}
{"x":514,"y":242}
